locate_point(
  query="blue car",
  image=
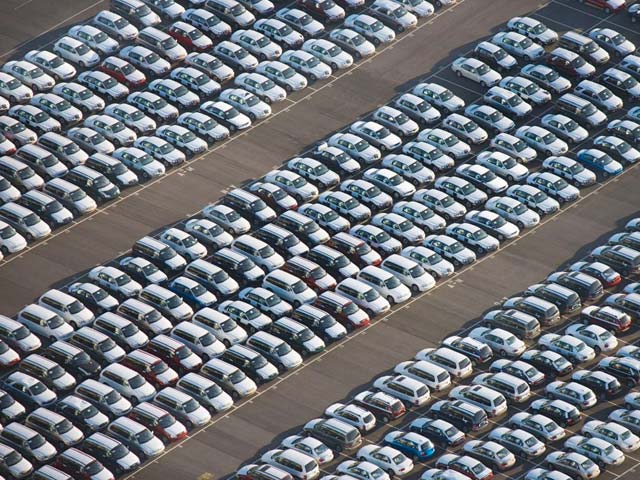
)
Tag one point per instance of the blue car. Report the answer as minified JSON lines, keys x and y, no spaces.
{"x":599,"y":161}
{"x":412,"y":444}
{"x":192,"y":292}
{"x":438,"y":431}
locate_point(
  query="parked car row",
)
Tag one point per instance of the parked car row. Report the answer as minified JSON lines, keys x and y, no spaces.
{"x":536,"y":431}
{"x":120,"y":100}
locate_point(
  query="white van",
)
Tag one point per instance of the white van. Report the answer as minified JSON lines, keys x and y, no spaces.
{"x":224,"y":328}
{"x":44,"y":323}
{"x":289,"y":287}
{"x":69,"y":308}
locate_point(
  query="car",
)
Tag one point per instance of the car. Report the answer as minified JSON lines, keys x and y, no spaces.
{"x":553,"y":185}
{"x":572,"y":392}
{"x":565,"y":127}
{"x":595,"y":336}
{"x":397,"y":121}
{"x":514,"y":211}
{"x":112,"y":129}
{"x":183,"y":139}
{"x":412,"y":392}
{"x":617,"y":148}
{"x":628,"y":418}
{"x":450,"y":249}
{"x":309,"y":446}
{"x":351,"y":414}
{"x":411,"y":444}
{"x":371,"y":28}
{"x":28,"y":390}
{"x":283,"y":75}
{"x":388,"y":458}
{"x":329,"y":53}
{"x":519,"y":441}
{"x":197,"y":81}
{"x":279,"y":32}
{"x":569,"y":169}
{"x":420,"y":215}
{"x":446,"y":141}
{"x":465,"y":128}
{"x":408,"y":167}
{"x":494,"y":55}
{"x":457,"y":364}
{"x":94,"y":38}
{"x":301,"y":21}
{"x":519,"y":45}
{"x":476,"y":70}
{"x":599,"y":95}
{"x":76,"y":52}
{"x":622,"y":83}
{"x":478,"y":352}
{"x":466,"y":465}
{"x":625,"y":129}
{"x":314,"y":171}
{"x":473,"y":236}
{"x":491,"y":453}
{"x":307,"y":64}
{"x":570,"y":63}
{"x":36,"y":118}
{"x":612,"y":41}
{"x":257,"y":44}
{"x":513,"y":146}
{"x":429,"y":154}
{"x":439,"y":96}
{"x":203,"y":126}
{"x":395,"y":15}
{"x":389,"y":182}
{"x":141,"y":162}
{"x":492,"y":223}
{"x":190,"y":36}
{"x":612,"y":432}
{"x":508,"y":101}
{"x":490,"y":118}
{"x":519,"y":369}
{"x":207,"y":22}
{"x":28,"y":74}
{"x":503,"y":165}
{"x":500,"y":341}
{"x":114,"y":280}
{"x":52,"y":64}
{"x":572,"y":463}
{"x":602,"y":384}
{"x":540,"y":426}
{"x":329,"y":11}
{"x":132,"y":117}
{"x":626,"y":369}
{"x":361,"y":470}
{"x":439,"y":431}
{"x":383,"y":406}
{"x":546,"y":77}
{"x":534,"y":29}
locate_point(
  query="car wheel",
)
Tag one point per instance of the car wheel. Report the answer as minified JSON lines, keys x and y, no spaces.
{"x":447,"y":217}
{"x":252,"y":116}
{"x":630,"y":383}
{"x":4,"y":250}
{"x":29,"y":237}
{"x":549,"y":152}
{"x":334,"y":66}
{"x":456,"y":263}
{"x":597,"y":350}
{"x":268,"y":100}
{"x":500,"y":237}
{"x":312,"y":77}
{"x":146,"y":176}
{"x":384,"y":419}
{"x":483,"y":83}
{"x":607,"y":10}
{"x":357,"y":56}
{"x":337,"y":449}
{"x":82,"y":64}
{"x":262,"y":57}
{"x":288,"y":88}
{"x":188,"y":425}
{"x":438,"y":4}
{"x":415,"y":289}
{"x":226,"y":343}
{"x":235,"y":395}
{"x":458,"y":73}
{"x":391,"y":473}
{"x":390,"y":300}
{"x":551,"y":396}
{"x":481,"y":251}
{"x":400,"y":29}
{"x":526,"y":58}
{"x":520,"y":225}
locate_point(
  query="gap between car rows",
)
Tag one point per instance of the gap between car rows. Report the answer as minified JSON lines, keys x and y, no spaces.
{"x":181,"y":170}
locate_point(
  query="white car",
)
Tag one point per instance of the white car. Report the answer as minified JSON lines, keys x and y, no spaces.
{"x":569,"y":169}
{"x":283,"y":75}
{"x":314,"y":171}
{"x":514,"y":146}
{"x":432,"y":375}
{"x":519,"y":45}
{"x":542,"y":140}
{"x":29,"y":74}
{"x":257,"y":43}
{"x":94,"y":38}
{"x":329,"y":53}
{"x":565,"y":127}
{"x":309,"y":446}
{"x":595,"y":336}
{"x":115,"y":280}
{"x":534,"y":29}
{"x":13,"y":89}
{"x":465,"y":128}
{"x":410,"y":391}
{"x":355,"y":146}
{"x":115,"y":25}
{"x":612,"y":41}
{"x":573,"y":462}
{"x":542,"y":427}
{"x":385,"y":283}
{"x":612,"y":432}
{"x":514,"y":211}
{"x":279,"y":32}
{"x":376,"y":134}
{"x":354,"y":43}
{"x":112,"y":129}
{"x":10,"y":240}
{"x":145,"y":59}
{"x":554,"y":186}
{"x":439,"y":96}
{"x":371,"y":28}
{"x":246,"y":102}
{"x":600,"y":451}
{"x":432,"y":262}
{"x":520,"y":441}
{"x":294,"y":184}
{"x":447,"y":142}
{"x":132,"y":117}
{"x":573,"y":393}
{"x":409,"y":272}
{"x":429,"y":154}
{"x":417,"y":108}
{"x":396,"y":120}
{"x":262,"y":86}
{"x":421,"y":215}
{"x":491,"y":453}
{"x":361,"y":470}
{"x":52,"y":64}
{"x":456,"y":364}
{"x":500,"y":341}
{"x":76,"y":52}
{"x":476,"y":70}
{"x":503,"y":165}
{"x":568,"y":346}
{"x":227,"y":218}
{"x":387,"y":458}
{"x":183,"y":243}
{"x":409,"y":168}
{"x":300,"y":21}
{"x":306,"y":64}
{"x":354,"y":415}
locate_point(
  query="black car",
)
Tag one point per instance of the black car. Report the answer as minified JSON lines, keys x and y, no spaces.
{"x":548,"y":362}
{"x":603,"y":384}
{"x":74,"y":360}
{"x":46,"y":207}
{"x":563,"y":413}
{"x":588,"y":287}
{"x":625,"y":369}
{"x":463,"y":415}
{"x":438,"y":431}
{"x":383,"y":406}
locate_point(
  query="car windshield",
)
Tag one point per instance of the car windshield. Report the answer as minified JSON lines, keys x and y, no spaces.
{"x":578,"y":62}
{"x":451,"y":140}
{"x":560,"y":184}
{"x":183,"y":353}
{"x":371,"y":295}
{"x":89,"y":412}
{"x":240,"y":53}
{"x":112,"y":397}
{"x":145,"y":435}
{"x":480,"y":235}
{"x":82,"y":49}
{"x":7,"y":232}
{"x":238,"y":10}
{"x":159,"y":103}
{"x":392,"y":282}
{"x":363,"y":249}
{"x":468,"y":189}
{"x":129,"y":330}
{"x":629,"y":82}
{"x":136,"y":381}
{"x":305,"y":335}
{"x":258,"y":362}
{"x":252,"y":313}
{"x":482,"y":69}
{"x":31,"y":220}
{"x":299,"y":287}
{"x":447,"y":201}
{"x":159,"y":367}
{"x":470,"y":127}
{"x":519,"y":209}
{"x":290,"y":241}
{"x":487,"y":176}
{"x":478,"y":468}
{"x":107,"y":345}
{"x":618,"y":39}
{"x":500,"y":54}
{"x":174,"y":302}
{"x":26,"y":173}
{"x":549,"y":138}
{"x":168,"y":43}
{"x":167,"y":253}
{"x":283,"y":349}
{"x":350,"y":308}
{"x":41,"y":117}
{"x":605,"y":94}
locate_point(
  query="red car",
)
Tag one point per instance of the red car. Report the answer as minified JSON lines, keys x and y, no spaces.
{"x":326,"y":9}
{"x":609,"y":6}
{"x":570,"y":63}
{"x":152,"y":369}
{"x":383,"y":406}
{"x":607,"y":317}
{"x":123,"y":71}
{"x":343,"y":310}
{"x":190,"y":37}
{"x":310,"y":273}
{"x":159,"y":421}
{"x":355,"y":249}
{"x":177,"y":355}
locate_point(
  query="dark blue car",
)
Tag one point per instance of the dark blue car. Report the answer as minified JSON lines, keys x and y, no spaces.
{"x":192,"y":292}
{"x":599,"y":161}
{"x":412,"y":444}
{"x":438,"y":431}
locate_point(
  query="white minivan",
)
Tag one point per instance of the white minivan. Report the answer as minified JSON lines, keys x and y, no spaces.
{"x":289,"y":287}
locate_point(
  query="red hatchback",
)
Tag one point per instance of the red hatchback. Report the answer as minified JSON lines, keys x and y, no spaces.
{"x":310,"y":273}
{"x":343,"y":310}
{"x":609,"y":6}
{"x":123,"y":71}
{"x":159,"y":421}
{"x":190,"y":37}
{"x":153,"y":370}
